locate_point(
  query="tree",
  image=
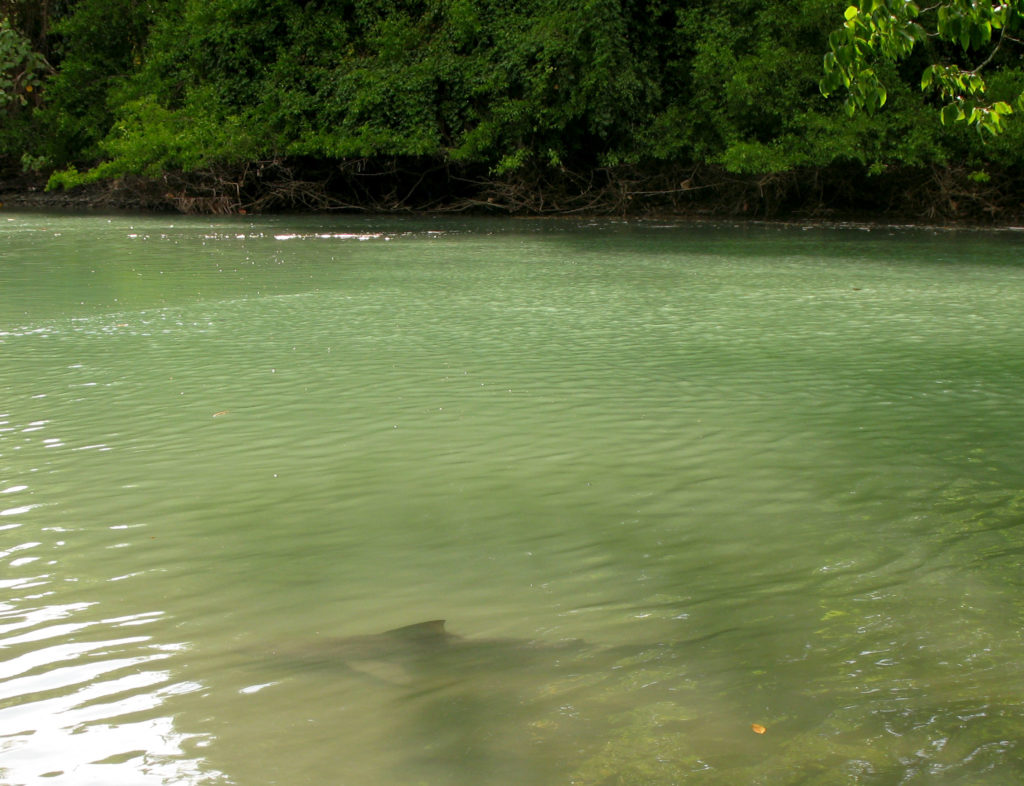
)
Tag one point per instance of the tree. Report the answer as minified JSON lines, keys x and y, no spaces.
{"x":34,"y":20}
{"x":952,"y":33}
{"x":21,"y":69}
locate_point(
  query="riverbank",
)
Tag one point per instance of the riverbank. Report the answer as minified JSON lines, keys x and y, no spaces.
{"x":934,"y":197}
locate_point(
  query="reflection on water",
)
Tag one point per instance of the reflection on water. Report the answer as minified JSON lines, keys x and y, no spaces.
{"x":79,"y":706}
{"x":664,"y":482}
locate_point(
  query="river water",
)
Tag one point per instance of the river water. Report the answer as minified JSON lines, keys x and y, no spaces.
{"x":669,"y":485}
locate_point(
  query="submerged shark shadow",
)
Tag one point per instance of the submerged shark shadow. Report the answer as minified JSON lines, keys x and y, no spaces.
{"x":428,"y":652}
{"x":464,"y":710}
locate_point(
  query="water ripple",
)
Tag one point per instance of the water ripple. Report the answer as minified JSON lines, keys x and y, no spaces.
{"x":76,"y":705}
{"x":770,"y":476}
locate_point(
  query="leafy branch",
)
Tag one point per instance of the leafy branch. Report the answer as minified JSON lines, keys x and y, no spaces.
{"x":21,"y":69}
{"x":889,"y":30}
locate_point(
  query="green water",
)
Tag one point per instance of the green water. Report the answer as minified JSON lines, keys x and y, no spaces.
{"x":665,"y":481}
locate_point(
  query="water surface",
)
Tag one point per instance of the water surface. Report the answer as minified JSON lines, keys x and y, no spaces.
{"x":666,"y":481}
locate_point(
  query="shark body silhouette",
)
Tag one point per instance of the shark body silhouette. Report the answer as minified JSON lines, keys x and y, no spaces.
{"x":427,"y":650}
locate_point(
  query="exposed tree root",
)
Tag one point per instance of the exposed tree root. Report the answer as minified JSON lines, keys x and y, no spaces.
{"x":936,"y":195}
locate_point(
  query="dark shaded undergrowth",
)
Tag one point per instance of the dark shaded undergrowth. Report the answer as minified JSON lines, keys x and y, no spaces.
{"x":933,"y":195}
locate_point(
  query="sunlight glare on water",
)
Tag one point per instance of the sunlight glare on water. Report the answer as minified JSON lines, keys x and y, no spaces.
{"x":668,"y":485}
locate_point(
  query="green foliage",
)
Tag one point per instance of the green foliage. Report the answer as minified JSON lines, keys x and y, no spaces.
{"x":889,"y":31}
{"x":149,"y":140}
{"x":22,"y":74}
{"x":102,"y":43}
{"x":501,"y":88}
{"x":474,"y":82}
{"x":21,"y":69}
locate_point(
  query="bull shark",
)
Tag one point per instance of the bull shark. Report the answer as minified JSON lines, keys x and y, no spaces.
{"x":426,"y":650}
{"x":478,"y":710}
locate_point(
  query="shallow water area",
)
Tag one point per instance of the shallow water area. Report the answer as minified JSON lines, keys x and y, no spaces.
{"x":664,"y":482}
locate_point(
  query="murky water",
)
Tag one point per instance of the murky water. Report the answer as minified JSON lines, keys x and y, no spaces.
{"x":663,"y":482}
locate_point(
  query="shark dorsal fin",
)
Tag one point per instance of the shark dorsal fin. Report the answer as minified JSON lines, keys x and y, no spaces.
{"x":421,"y":630}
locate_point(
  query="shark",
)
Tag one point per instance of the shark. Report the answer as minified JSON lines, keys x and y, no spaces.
{"x":422,"y":704}
{"x":425,"y":650}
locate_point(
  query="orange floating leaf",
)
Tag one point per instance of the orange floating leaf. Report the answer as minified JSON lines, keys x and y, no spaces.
{"x":757,"y":728}
{"x":222,"y":412}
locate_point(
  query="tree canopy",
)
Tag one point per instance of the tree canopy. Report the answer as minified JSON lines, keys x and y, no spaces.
{"x":641,"y":100}
{"x":964,"y":39}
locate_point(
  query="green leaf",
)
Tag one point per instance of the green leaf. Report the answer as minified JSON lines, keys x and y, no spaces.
{"x":838,"y":38}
